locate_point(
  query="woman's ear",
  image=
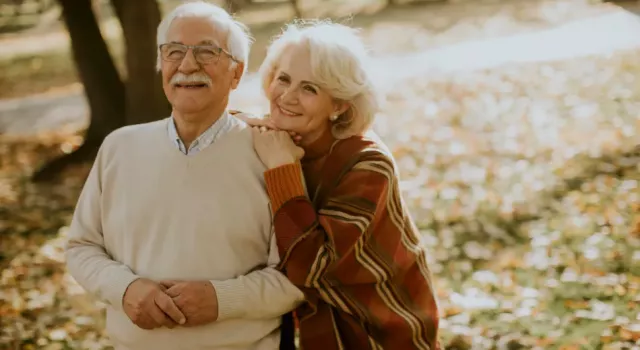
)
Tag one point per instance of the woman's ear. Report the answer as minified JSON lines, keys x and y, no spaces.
{"x":340,"y":107}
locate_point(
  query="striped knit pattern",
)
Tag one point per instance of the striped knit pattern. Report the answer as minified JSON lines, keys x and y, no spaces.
{"x":355,"y":253}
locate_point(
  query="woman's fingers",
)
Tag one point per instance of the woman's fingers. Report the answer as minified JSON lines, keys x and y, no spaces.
{"x":253,"y":121}
{"x":261,"y":129}
{"x":270,"y":123}
{"x":247,"y":118}
{"x":295,"y":137}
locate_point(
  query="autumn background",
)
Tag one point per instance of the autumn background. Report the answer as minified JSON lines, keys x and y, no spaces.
{"x":514,"y":122}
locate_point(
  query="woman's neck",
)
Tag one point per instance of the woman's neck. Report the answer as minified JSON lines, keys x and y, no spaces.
{"x":318,"y":146}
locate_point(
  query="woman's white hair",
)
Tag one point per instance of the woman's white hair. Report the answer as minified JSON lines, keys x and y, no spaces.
{"x":238,"y":40}
{"x":340,"y":64}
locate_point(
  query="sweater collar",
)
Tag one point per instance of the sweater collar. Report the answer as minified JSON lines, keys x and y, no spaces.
{"x":320,"y":147}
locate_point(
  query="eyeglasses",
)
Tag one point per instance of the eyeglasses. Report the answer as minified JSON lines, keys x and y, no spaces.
{"x":204,"y":54}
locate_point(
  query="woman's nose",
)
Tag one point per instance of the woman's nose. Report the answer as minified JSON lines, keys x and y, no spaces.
{"x":289,"y":96}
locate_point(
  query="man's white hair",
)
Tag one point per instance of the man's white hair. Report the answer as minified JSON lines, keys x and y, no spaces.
{"x":238,"y":41}
{"x":340,"y":64}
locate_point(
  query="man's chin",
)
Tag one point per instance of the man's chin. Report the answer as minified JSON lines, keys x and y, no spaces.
{"x":187,"y":107}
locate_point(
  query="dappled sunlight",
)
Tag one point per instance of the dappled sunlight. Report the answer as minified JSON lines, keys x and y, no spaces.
{"x":416,"y":29}
{"x":515,"y":131}
{"x":41,"y":304}
{"x":525,"y":180}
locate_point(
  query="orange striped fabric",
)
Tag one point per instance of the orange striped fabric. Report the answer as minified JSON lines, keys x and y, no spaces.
{"x":353,"y":249}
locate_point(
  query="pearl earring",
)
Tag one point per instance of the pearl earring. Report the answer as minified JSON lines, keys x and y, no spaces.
{"x":333,"y":118}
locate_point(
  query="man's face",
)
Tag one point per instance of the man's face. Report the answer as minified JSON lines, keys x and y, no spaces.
{"x":191,"y":86}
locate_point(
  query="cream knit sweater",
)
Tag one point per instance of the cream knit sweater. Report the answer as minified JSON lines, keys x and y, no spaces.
{"x":147,"y":210}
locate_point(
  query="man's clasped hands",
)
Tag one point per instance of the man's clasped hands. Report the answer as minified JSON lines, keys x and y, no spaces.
{"x":170,"y":303}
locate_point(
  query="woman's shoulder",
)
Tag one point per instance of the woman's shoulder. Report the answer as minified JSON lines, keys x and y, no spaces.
{"x":363,"y":153}
{"x":367,"y":147}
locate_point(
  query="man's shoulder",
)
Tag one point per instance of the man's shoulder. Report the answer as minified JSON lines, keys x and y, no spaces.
{"x":238,"y":130}
{"x":129,"y":133}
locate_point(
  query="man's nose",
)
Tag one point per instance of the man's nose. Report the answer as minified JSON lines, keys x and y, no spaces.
{"x":189,"y":63}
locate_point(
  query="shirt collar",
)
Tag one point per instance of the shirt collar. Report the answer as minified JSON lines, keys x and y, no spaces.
{"x":205,"y":139}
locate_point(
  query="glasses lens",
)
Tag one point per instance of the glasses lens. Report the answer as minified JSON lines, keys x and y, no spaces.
{"x":173,"y":52}
{"x":206,"y":54}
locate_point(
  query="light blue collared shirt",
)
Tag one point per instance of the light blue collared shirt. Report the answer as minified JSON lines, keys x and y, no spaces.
{"x":208,"y":137}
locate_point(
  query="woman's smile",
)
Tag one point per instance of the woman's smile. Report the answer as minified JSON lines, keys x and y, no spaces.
{"x":288,"y":112}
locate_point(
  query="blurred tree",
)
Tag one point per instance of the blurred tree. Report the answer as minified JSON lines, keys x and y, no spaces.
{"x":112,"y":102}
{"x":145,"y":98}
{"x":234,"y":6}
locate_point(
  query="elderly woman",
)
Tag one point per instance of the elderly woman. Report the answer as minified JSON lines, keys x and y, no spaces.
{"x":344,"y":235}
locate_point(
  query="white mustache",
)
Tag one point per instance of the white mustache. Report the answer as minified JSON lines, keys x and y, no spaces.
{"x":197,"y":78}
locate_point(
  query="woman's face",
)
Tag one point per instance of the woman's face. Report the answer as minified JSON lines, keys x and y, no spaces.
{"x":297,"y":103}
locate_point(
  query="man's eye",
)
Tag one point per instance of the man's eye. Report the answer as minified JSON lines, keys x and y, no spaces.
{"x":207,"y":53}
{"x":283,"y":79}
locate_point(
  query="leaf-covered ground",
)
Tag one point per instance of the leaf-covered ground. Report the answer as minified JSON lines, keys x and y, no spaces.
{"x":525,"y":181}
{"x":523,"y":178}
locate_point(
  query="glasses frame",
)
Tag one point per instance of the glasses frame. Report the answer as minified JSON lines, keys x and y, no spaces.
{"x":192,"y":48}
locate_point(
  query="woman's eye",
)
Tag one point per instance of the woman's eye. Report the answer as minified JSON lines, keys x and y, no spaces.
{"x":310,"y":89}
{"x":283,"y":79}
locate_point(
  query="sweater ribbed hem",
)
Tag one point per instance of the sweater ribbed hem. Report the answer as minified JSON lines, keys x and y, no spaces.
{"x":284,"y":183}
{"x":231,"y":298}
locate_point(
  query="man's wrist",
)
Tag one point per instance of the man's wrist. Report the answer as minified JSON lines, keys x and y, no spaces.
{"x":125,"y":286}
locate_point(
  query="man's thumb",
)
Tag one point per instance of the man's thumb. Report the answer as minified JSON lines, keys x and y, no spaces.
{"x":168,"y":283}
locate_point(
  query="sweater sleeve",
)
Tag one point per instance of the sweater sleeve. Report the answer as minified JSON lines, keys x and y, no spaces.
{"x":87,"y":259}
{"x":262,"y":293}
{"x":326,"y":244}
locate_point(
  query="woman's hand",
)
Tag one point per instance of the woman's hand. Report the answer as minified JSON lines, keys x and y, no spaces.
{"x":275,"y":147}
{"x":264,"y":124}
{"x":254,"y":121}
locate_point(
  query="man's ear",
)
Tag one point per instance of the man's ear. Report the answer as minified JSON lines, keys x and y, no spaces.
{"x":237,"y":75}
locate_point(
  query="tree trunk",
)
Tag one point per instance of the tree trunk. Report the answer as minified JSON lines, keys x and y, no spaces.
{"x":296,"y":8}
{"x":103,"y":88}
{"x":234,"y":6}
{"x":144,"y":95}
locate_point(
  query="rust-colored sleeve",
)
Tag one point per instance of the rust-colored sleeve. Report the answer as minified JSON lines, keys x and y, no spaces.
{"x":283,"y":183}
{"x":360,"y":251}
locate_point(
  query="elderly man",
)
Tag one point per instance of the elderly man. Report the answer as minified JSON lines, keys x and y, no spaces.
{"x":173,"y":227}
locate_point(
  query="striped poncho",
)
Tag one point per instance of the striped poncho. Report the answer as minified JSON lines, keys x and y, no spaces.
{"x":353,"y":249}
